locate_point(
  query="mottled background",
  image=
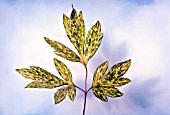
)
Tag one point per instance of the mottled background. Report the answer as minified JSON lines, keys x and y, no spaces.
{"x":136,"y":29}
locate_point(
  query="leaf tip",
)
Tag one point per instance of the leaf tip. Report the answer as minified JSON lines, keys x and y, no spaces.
{"x":46,"y":39}
{"x":129,"y":60}
{"x":55,"y":59}
{"x":17,"y":70}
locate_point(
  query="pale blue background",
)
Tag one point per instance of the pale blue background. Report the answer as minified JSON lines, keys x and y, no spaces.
{"x":136,"y":29}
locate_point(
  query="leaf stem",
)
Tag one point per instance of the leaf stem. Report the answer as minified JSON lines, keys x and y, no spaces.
{"x":79,"y":88}
{"x":85,"y":95}
{"x":84,"y":109}
{"x":89,"y":89}
{"x":86,"y":78}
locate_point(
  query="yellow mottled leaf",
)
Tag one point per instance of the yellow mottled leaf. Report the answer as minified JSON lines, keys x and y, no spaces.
{"x":100,"y":71}
{"x":45,"y":84}
{"x":60,"y":95}
{"x":71,"y":92}
{"x":63,"y":71}
{"x":43,"y":78}
{"x":99,"y":94}
{"x":117,"y":70}
{"x":93,"y":40}
{"x":75,"y":30}
{"x":111,"y":92}
{"x":115,"y":82}
{"x":63,"y":51}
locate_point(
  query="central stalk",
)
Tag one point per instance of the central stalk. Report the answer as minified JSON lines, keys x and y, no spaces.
{"x":85,"y":89}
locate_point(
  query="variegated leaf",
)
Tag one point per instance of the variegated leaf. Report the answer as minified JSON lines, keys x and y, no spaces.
{"x":43,"y":78}
{"x":71,"y":92}
{"x":115,"y":82}
{"x":99,"y":94}
{"x":117,"y":70}
{"x":111,"y":92}
{"x":63,"y":51}
{"x":36,"y":73}
{"x":75,"y":30}
{"x":63,"y":71}
{"x":100,"y":71}
{"x":93,"y":40}
{"x":46,"y":84}
{"x":60,"y":95}
{"x":102,"y":92}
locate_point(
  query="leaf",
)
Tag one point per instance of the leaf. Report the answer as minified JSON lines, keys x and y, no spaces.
{"x":60,"y":95}
{"x":75,"y":30}
{"x":63,"y":71}
{"x":116,"y":82}
{"x":99,"y":94}
{"x":93,"y":40}
{"x":63,"y":51}
{"x":43,"y":78}
{"x":102,"y":92}
{"x":105,"y":86}
{"x":100,"y":71}
{"x":111,"y":92}
{"x":117,"y":70}
{"x":71,"y":92}
{"x":46,"y":84}
{"x":73,"y":14}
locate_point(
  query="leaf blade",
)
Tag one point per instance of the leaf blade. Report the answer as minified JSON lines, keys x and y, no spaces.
{"x":43,"y":78}
{"x":63,"y":71}
{"x":93,"y":40}
{"x":97,"y":92}
{"x":75,"y":29}
{"x":46,"y":84}
{"x":111,"y":92}
{"x":62,"y":50}
{"x":117,"y":82}
{"x":100,"y":71}
{"x":117,"y":70}
{"x":71,"y":92}
{"x":60,"y":95}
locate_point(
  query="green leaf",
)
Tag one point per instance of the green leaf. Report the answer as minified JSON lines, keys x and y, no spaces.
{"x":63,"y":51}
{"x":43,"y":78}
{"x":75,"y":30}
{"x":60,"y":95}
{"x":71,"y":92}
{"x":117,"y":70}
{"x":63,"y":71}
{"x":93,"y":40}
{"x":99,"y":94}
{"x":100,"y":71}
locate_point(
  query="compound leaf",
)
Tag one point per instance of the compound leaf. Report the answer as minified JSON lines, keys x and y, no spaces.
{"x":117,"y":70}
{"x":71,"y":92}
{"x":100,"y":71}
{"x":63,"y":71}
{"x":75,"y":29}
{"x":104,"y":87}
{"x":93,"y":40}
{"x":60,"y":95}
{"x":43,"y":78}
{"x":62,"y":50}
